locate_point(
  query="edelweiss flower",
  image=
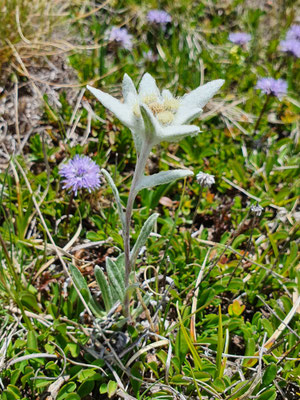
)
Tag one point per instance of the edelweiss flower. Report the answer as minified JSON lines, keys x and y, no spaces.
{"x":154,"y":116}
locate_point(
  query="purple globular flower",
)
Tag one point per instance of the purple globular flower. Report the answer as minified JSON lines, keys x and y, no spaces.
{"x":239,"y":37}
{"x":159,"y":17}
{"x":80,"y":173}
{"x":271,"y":86}
{"x":121,"y":37}
{"x":150,"y":56}
{"x":291,"y":46}
{"x":293,"y":33}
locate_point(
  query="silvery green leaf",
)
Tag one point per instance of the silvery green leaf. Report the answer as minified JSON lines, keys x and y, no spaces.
{"x":163,"y":177}
{"x":84,"y":290}
{"x":117,"y":196}
{"x":104,"y":287}
{"x":120,"y":261}
{"x":143,"y":236}
{"x":116,"y":279}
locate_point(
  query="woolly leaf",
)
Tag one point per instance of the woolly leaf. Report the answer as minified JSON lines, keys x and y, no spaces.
{"x":141,"y":240}
{"x":104,"y":287}
{"x":163,"y":177}
{"x":115,"y":279}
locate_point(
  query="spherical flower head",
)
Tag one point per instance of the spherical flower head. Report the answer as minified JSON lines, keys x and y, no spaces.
{"x":121,"y":37}
{"x":150,"y":56}
{"x":159,"y":17}
{"x":256,"y":210}
{"x":205,"y":180}
{"x":293,"y":33}
{"x":80,"y":173}
{"x":239,"y":38}
{"x":291,"y":46}
{"x":271,"y":86}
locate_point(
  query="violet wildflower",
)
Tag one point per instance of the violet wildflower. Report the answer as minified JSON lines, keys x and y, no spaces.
{"x":291,"y":46}
{"x":121,"y":37}
{"x":159,"y":17}
{"x":271,"y":86}
{"x":80,"y":173}
{"x":293,"y":33}
{"x":239,"y":37}
{"x":150,"y":56}
{"x":205,"y":180}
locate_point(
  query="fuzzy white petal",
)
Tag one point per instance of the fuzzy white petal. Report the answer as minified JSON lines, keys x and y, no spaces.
{"x":152,"y":128}
{"x":148,"y":86}
{"x":200,"y":96}
{"x":121,"y":110}
{"x":167,"y":94}
{"x":174,"y":133}
{"x":186,"y":114}
{"x":128,"y":88}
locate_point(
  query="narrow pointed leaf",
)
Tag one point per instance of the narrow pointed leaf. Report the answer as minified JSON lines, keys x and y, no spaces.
{"x":143,"y":236}
{"x":104,"y":287}
{"x":117,"y":196}
{"x":80,"y":283}
{"x":120,"y":261}
{"x":163,"y":177}
{"x":115,"y":279}
{"x":84,"y":290}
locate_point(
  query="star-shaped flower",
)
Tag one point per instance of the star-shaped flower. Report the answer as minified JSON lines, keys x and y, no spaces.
{"x":154,"y":116}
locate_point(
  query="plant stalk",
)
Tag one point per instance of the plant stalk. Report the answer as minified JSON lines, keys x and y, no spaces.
{"x":137,"y":176}
{"x":261,"y":113}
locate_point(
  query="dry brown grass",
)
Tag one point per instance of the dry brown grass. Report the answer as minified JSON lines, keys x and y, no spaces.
{"x":35,"y":27}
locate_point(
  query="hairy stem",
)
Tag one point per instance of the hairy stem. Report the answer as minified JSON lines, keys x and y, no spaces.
{"x":138,"y":174}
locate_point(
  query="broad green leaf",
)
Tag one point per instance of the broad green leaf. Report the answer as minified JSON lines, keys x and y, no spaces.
{"x":65,"y":390}
{"x":268,"y":395}
{"x":29,"y":301}
{"x":72,"y":396}
{"x":32,"y":342}
{"x":104,"y":287}
{"x":250,"y":350}
{"x":143,"y":236}
{"x":111,"y":388}
{"x":269,"y":375}
{"x":85,"y":388}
